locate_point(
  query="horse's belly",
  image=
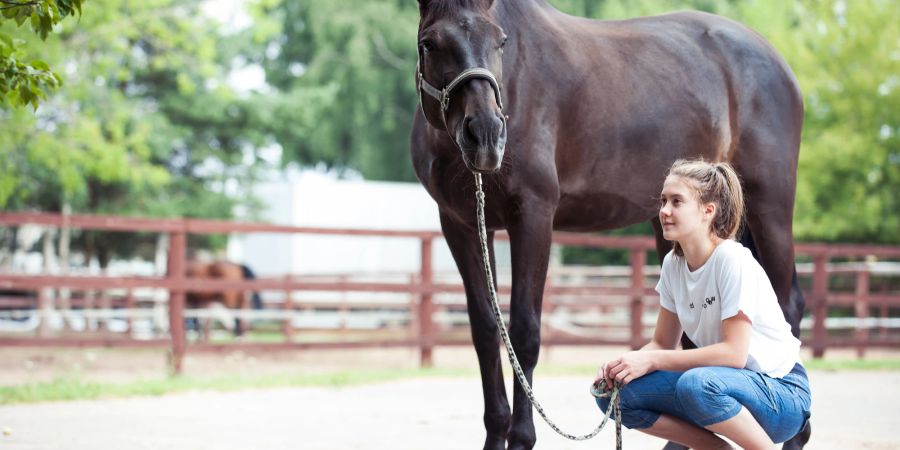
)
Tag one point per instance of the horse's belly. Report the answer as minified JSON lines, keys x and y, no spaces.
{"x":600,"y":211}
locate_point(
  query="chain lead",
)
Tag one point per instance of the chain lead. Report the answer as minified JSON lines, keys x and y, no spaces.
{"x":597,"y":391}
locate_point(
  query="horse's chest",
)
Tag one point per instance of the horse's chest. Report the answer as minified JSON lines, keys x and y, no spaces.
{"x":454,"y":193}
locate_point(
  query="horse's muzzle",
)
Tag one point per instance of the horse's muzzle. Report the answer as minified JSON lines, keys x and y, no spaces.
{"x":482,"y":140}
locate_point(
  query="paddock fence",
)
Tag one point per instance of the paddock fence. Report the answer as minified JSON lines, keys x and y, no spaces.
{"x":852,"y":297}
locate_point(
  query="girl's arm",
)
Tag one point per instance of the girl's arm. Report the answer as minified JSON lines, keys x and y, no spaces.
{"x":665,"y":337}
{"x":667,"y":332}
{"x":731,"y":352}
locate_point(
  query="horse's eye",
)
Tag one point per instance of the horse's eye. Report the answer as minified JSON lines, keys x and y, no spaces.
{"x":425,"y":46}
{"x":503,"y":42}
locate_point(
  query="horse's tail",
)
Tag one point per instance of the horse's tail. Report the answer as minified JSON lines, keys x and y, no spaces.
{"x":793,"y":311}
{"x":255,"y":299}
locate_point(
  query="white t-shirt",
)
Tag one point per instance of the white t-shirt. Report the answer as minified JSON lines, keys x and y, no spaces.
{"x":731,"y":280}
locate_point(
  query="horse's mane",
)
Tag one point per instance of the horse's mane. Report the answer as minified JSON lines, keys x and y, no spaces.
{"x":442,"y":8}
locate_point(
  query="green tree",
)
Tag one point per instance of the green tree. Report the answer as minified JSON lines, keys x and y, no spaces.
{"x":847,"y":58}
{"x":146,"y":126}
{"x":343,"y":76}
{"x":28,"y":82}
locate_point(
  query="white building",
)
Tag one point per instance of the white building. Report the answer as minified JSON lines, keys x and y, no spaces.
{"x":313,"y":199}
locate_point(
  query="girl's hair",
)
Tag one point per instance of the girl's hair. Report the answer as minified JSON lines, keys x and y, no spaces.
{"x":715,"y":183}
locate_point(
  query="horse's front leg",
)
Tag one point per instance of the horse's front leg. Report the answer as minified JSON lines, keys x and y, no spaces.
{"x":530,"y":239}
{"x":466,"y":249}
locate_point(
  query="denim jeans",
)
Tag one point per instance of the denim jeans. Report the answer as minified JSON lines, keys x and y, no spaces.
{"x":709,"y":395}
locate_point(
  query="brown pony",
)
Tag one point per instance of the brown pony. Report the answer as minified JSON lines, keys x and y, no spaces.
{"x":573,"y":124}
{"x":232,"y":300}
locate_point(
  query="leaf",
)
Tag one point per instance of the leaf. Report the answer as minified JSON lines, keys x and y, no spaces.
{"x":40,"y":65}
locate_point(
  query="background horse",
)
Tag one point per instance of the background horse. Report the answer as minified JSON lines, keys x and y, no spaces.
{"x":231,"y":300}
{"x":573,"y":123}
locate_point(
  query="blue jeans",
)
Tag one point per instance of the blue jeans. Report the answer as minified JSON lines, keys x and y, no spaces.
{"x":709,"y":395}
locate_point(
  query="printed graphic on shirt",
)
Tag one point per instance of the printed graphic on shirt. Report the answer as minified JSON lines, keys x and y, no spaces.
{"x":707,"y":302}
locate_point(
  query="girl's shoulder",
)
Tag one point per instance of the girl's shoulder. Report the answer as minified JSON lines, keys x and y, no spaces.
{"x":731,"y":248}
{"x":671,"y":260}
{"x":731,"y":254}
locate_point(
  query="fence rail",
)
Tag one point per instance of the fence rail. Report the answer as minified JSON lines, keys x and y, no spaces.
{"x":633,"y":293}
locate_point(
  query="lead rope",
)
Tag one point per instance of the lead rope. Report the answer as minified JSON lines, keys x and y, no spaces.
{"x":597,"y":390}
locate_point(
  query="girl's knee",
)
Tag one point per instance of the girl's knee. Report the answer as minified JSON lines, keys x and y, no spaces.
{"x":633,"y":416}
{"x":699,"y":384}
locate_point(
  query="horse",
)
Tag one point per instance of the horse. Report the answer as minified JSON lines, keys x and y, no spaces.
{"x":223,"y":270}
{"x":573,"y":123}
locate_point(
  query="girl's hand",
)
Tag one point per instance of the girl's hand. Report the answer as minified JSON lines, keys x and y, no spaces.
{"x":601,"y":374}
{"x":628,"y":367}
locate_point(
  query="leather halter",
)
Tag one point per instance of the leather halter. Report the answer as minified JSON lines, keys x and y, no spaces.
{"x":443,"y":95}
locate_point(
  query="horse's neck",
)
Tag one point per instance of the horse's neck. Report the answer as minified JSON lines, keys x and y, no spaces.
{"x":524,"y":15}
{"x":533,"y":23}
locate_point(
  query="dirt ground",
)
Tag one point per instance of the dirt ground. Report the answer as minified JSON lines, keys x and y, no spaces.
{"x":851,"y":410}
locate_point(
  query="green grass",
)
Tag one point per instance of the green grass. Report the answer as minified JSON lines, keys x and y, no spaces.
{"x":75,"y":388}
{"x":852,"y":364}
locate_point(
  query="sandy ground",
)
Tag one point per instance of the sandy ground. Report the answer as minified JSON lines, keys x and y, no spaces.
{"x":851,"y":410}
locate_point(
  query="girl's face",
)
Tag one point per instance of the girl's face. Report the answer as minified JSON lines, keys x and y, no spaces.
{"x":680,"y":212}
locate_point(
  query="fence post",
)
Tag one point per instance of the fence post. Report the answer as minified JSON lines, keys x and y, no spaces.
{"x":547,"y":308}
{"x":287,"y":326}
{"x":820,"y":306}
{"x":43,"y":299}
{"x":638,"y":259}
{"x":426,"y":323}
{"x":861,"y":307}
{"x":176,"y":272}
{"x":129,"y":306}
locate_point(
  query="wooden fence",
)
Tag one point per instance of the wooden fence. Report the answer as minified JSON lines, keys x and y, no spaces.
{"x":636,"y":294}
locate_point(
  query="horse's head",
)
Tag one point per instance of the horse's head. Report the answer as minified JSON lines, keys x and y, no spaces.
{"x":459,"y":76}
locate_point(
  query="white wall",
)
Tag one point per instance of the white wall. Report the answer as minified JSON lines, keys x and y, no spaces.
{"x":317,"y":200}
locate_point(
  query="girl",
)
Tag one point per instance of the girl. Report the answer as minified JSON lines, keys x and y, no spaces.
{"x":744,"y":380}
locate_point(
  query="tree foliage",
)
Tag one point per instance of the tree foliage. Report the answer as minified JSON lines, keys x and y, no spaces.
{"x":28,"y":82}
{"x":152,"y":121}
{"x":146,"y":125}
{"x":343,"y":72}
{"x":847,"y":57}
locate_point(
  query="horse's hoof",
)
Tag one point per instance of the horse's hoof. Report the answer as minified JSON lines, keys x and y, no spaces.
{"x":520,"y":447}
{"x":495,"y":444}
{"x":800,"y":439}
{"x":522,"y":444}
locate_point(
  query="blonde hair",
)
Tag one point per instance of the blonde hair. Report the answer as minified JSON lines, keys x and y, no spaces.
{"x":714,"y":183}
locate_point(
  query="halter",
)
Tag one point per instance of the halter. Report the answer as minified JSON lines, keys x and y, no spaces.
{"x":443,"y":95}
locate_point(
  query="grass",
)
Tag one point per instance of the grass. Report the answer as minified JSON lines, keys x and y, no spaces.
{"x":852,"y":364}
{"x":76,"y":388}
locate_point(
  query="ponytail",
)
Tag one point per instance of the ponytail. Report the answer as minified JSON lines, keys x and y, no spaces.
{"x":715,"y":183}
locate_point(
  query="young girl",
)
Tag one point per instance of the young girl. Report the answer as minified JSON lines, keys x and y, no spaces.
{"x":744,"y":380}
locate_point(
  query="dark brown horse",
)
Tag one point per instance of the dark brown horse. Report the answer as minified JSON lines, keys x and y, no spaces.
{"x":573,"y":123}
{"x":231,"y":300}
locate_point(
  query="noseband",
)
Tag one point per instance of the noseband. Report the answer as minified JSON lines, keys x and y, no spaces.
{"x":443,"y":95}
